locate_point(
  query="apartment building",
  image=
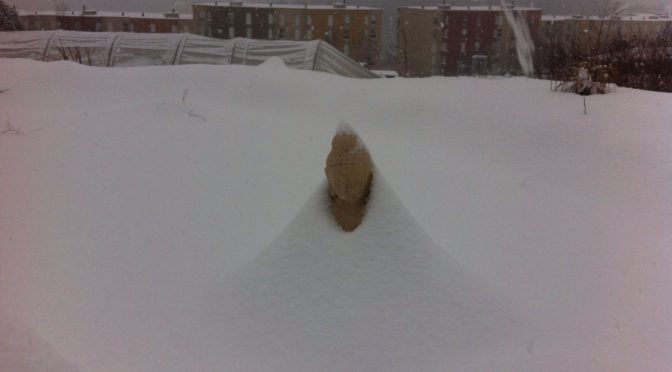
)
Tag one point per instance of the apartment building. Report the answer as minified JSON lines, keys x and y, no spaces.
{"x":587,"y":32}
{"x":352,"y":29}
{"x":451,"y":40}
{"x":92,"y":20}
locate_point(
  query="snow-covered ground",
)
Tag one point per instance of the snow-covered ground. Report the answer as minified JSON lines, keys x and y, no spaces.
{"x":140,"y":208}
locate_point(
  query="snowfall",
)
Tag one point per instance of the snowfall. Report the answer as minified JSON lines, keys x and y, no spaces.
{"x":176,"y":218}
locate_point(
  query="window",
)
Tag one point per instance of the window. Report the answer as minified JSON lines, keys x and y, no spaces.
{"x":173,"y":28}
{"x":99,"y":26}
{"x":309,"y":35}
{"x":477,"y":46}
{"x":232,"y":32}
{"x":478,"y":21}
{"x":248,"y":18}
{"x":346,"y":19}
{"x":464,"y":32}
{"x":152,"y":27}
{"x":297,"y":34}
{"x":309,"y":20}
{"x":270,"y":33}
{"x":330,"y":20}
{"x":110,"y":27}
{"x":282,"y":20}
{"x":346,"y":49}
{"x":201,"y":14}
{"x":498,"y":20}
{"x":248,"y":33}
{"x":270,"y":19}
{"x":433,"y":47}
{"x":373,"y":19}
{"x":185,"y":28}
{"x":232,"y":18}
{"x":463,"y":47}
{"x":131,"y":28}
{"x":297,"y":20}
{"x":366,"y":20}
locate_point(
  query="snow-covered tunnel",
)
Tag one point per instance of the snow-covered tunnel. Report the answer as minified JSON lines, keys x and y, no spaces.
{"x":145,"y":49}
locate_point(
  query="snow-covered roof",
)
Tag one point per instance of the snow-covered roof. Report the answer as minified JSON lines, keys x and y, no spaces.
{"x":336,"y":6}
{"x":106,"y":14}
{"x":479,"y":8}
{"x":622,"y":17}
{"x":143,"y":49}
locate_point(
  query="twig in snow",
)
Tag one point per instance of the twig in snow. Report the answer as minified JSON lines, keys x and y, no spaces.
{"x":195,"y":115}
{"x":4,"y":90}
{"x":10,"y":128}
{"x":585,"y":109}
{"x":184,"y":95}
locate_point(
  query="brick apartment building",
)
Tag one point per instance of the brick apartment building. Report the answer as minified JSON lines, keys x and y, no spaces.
{"x":449,"y":40}
{"x":92,"y":20}
{"x":585,"y":32}
{"x":354,"y":30}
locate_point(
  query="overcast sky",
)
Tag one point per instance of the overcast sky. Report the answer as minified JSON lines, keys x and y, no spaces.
{"x":184,"y":6}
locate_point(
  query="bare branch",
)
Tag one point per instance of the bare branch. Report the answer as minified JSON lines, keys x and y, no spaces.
{"x":195,"y":115}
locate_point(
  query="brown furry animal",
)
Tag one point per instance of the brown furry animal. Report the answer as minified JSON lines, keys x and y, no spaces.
{"x":349,"y":172}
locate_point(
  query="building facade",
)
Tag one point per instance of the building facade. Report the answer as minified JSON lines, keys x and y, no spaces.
{"x":592,"y":33}
{"x":354,"y":30}
{"x":95,"y":21}
{"x":448,"y":40}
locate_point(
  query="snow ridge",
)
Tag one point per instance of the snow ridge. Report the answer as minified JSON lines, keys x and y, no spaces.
{"x":345,"y":129}
{"x":383,"y":297}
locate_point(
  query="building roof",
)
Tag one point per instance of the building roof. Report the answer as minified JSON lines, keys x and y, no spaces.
{"x":335,"y":6}
{"x":479,"y":8}
{"x":107,"y":14}
{"x":622,"y":17}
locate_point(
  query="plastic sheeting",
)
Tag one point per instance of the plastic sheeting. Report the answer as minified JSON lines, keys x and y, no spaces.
{"x":143,"y":49}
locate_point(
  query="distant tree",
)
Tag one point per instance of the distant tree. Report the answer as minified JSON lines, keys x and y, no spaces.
{"x":61,"y":8}
{"x":9,"y":18}
{"x":606,"y":10}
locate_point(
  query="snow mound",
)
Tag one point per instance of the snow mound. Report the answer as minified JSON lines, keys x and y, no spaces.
{"x":383,"y":297}
{"x":274,"y":62}
{"x":21,"y":350}
{"x":345,"y":129}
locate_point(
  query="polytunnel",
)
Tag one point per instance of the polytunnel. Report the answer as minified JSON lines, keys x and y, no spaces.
{"x":145,"y":49}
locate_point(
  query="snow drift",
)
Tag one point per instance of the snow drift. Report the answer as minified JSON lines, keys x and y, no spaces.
{"x":133,"y":193}
{"x":381,"y":298}
{"x":21,"y":349}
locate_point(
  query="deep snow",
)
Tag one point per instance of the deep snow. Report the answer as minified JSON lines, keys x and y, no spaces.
{"x":381,"y":298}
{"x":134,"y":195}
